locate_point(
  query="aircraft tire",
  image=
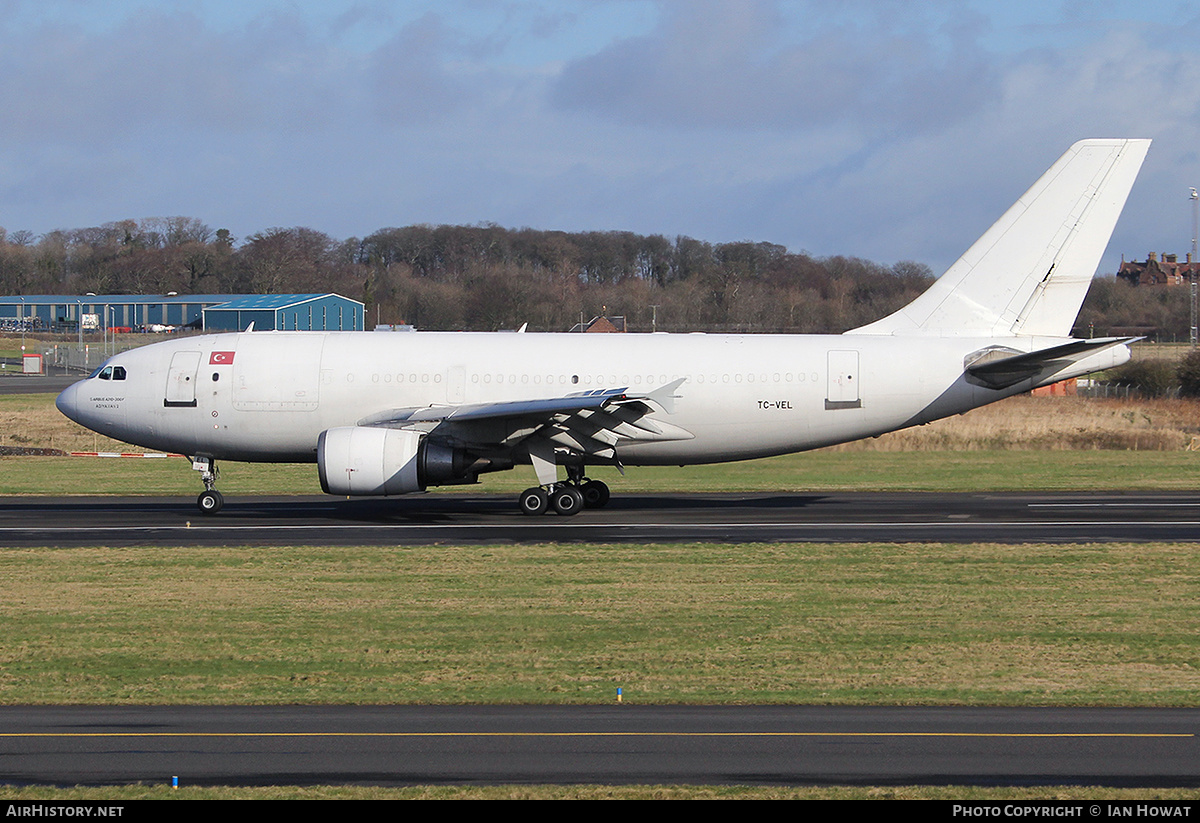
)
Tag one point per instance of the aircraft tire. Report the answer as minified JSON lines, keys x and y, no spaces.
{"x":595,"y":494}
{"x":534,"y":501}
{"x":210,"y":501}
{"x":567,"y":500}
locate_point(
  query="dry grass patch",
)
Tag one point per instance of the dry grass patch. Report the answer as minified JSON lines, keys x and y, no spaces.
{"x":1056,"y":423}
{"x":1023,"y":422}
{"x":32,"y":421}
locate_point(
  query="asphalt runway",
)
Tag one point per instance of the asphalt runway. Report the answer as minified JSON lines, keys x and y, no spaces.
{"x":36,"y":384}
{"x":755,"y":745}
{"x":634,"y":518}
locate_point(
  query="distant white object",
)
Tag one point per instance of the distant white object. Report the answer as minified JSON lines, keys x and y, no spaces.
{"x":31,"y":364}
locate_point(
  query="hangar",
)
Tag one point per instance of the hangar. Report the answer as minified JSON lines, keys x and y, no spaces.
{"x":286,"y":312}
{"x":216,"y":312}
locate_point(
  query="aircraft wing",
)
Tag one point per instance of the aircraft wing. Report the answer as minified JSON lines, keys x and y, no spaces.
{"x":513,"y":409}
{"x":1000,"y":368}
{"x":589,"y":423}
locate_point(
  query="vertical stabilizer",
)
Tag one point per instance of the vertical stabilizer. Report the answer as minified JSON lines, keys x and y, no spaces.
{"x":1029,"y":273}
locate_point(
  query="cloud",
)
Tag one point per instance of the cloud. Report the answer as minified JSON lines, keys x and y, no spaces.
{"x":409,"y":78}
{"x":714,"y":64}
{"x":166,"y":68}
{"x":887,"y":130}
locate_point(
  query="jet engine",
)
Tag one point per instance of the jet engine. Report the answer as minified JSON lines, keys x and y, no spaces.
{"x":362,"y":460}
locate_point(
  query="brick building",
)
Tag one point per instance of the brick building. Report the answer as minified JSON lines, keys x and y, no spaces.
{"x":1158,"y":271}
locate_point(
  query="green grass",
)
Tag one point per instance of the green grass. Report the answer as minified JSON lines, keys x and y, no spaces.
{"x":1008,"y":470}
{"x":700,"y":623}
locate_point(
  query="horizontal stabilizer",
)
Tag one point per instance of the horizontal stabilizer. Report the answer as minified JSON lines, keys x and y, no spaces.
{"x":1000,"y":368}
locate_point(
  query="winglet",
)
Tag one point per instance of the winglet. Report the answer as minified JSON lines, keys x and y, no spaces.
{"x":665,"y":396}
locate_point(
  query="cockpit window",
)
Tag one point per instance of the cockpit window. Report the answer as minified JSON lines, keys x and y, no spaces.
{"x":110,"y":373}
{"x":118,"y":372}
{"x":105,"y":373}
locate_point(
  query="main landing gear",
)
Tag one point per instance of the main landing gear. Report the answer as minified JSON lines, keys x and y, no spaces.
{"x":566,"y":498}
{"x":210,"y":500}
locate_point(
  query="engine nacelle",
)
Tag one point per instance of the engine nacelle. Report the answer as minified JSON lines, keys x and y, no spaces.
{"x":363,"y":460}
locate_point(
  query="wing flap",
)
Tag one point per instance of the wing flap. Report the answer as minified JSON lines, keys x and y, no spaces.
{"x":590,"y":423}
{"x":544,"y":407}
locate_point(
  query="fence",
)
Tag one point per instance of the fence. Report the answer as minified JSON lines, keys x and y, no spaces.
{"x":1111,"y":391}
{"x":72,"y":357}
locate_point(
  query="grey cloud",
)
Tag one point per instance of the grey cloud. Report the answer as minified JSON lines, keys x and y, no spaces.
{"x":720,"y":64}
{"x":408,"y":77}
{"x":170,"y":71}
{"x":157,"y":68}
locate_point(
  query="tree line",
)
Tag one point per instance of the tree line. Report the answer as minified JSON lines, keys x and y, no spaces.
{"x":487,"y":277}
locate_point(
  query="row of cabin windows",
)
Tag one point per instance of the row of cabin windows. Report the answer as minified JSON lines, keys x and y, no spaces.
{"x":118,"y":373}
{"x":600,"y":379}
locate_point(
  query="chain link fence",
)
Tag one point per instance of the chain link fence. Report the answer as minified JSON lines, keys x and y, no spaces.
{"x":71,"y":357}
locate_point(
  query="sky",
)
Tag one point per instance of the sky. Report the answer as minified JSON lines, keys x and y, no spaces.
{"x":884,"y":129}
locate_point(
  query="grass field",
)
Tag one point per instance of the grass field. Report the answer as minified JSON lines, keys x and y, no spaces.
{"x":1001,"y":470}
{"x":119,"y":794}
{"x":700,"y":623}
{"x":1023,"y":422}
{"x":1024,"y":443}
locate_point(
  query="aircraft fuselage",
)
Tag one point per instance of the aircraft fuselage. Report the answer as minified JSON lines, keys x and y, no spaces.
{"x":267,"y":396}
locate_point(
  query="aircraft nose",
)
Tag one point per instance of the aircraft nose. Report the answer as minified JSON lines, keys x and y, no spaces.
{"x":67,"y":402}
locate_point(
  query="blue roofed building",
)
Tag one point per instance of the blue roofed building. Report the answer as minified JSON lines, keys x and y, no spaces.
{"x":211,"y":312}
{"x":62,"y":312}
{"x":286,"y":312}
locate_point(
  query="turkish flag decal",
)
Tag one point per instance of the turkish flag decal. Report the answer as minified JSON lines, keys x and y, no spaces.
{"x":220,"y":358}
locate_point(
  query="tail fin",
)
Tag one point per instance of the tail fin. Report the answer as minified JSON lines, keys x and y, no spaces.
{"x":1029,"y":273}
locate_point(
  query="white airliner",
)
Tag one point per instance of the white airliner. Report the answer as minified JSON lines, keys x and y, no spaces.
{"x":391,"y":413}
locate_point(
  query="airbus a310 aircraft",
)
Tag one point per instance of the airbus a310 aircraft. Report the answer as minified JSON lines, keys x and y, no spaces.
{"x":392,"y":413}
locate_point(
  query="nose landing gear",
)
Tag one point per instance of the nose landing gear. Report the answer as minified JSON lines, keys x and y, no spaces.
{"x":210,"y":500}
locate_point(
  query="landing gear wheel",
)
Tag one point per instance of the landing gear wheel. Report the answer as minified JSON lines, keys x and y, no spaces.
{"x":567,"y":500}
{"x":595,"y":494}
{"x":210,"y":501}
{"x":533,"y":501}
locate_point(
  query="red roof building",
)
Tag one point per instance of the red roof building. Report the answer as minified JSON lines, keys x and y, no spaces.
{"x":1167,"y":271}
